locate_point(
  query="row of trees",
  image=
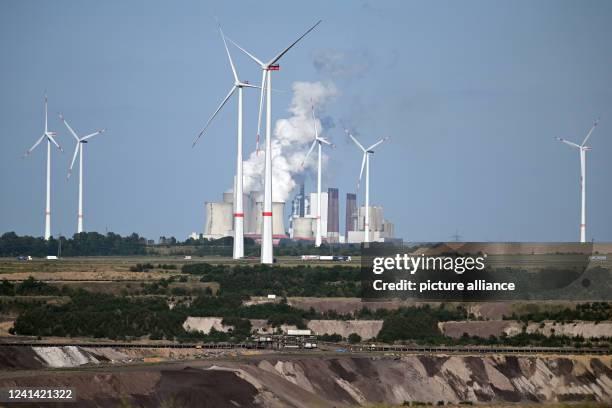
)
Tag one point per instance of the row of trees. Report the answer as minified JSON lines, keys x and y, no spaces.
{"x":82,"y":244}
{"x":594,"y":311}
{"x":101,"y":315}
{"x":261,"y":280}
{"x":28,"y":287}
{"x":96,"y":244}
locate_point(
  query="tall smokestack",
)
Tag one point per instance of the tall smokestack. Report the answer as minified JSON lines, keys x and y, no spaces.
{"x":302,"y":199}
{"x":351,"y":214}
{"x":333,"y":216}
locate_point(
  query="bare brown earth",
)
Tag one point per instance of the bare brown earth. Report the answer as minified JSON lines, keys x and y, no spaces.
{"x":324,"y":381}
{"x":368,"y":329}
{"x":118,"y":267}
{"x":118,"y":287}
{"x":485,"y":310}
{"x":531,"y":249}
{"x":496,"y":328}
{"x":88,"y":268}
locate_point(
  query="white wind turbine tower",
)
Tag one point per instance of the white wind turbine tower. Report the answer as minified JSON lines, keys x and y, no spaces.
{"x":267,"y":256}
{"x":583,"y":148}
{"x":317,"y":141}
{"x":366,"y":162}
{"x":78,"y":149}
{"x":50,"y":139}
{"x":238,"y":251}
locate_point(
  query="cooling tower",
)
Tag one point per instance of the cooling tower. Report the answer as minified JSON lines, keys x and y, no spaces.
{"x":303,"y":228}
{"x":228,"y":197}
{"x":256,"y":217}
{"x":278,"y":216}
{"x":218,"y":220}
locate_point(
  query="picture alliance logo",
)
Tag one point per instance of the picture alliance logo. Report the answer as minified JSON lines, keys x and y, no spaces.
{"x":412,"y":264}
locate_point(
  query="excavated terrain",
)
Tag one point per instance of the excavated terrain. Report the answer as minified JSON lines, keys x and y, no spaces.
{"x":302,"y":380}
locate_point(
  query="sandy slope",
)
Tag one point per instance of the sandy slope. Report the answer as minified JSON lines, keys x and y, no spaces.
{"x":311,"y":381}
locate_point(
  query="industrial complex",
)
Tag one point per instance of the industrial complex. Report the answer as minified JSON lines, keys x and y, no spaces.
{"x":300,"y":223}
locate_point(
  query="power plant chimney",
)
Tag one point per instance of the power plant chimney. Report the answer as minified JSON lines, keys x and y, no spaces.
{"x":333,"y":215}
{"x":351,"y":214}
{"x":302,"y":199}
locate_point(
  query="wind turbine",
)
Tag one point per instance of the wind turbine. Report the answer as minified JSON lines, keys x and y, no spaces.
{"x":267,"y":256}
{"x":238,"y":251}
{"x":78,"y":149}
{"x":50,"y":139}
{"x":317,"y":141}
{"x":366,"y":162}
{"x":583,"y":148}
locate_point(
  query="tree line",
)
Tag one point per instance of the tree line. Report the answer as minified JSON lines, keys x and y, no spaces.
{"x":82,"y":244}
{"x":261,"y":280}
{"x":96,"y":244}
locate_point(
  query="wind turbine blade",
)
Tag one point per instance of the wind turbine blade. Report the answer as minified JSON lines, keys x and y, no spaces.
{"x":314,"y":122}
{"x":54,"y":142}
{"x":213,"y":115}
{"x":254,"y":58}
{"x":356,"y":141}
{"x":567,"y":142}
{"x":312,"y":146}
{"x":246,"y":85}
{"x":327,"y":142}
{"x":228,"y":55}
{"x":378,"y":143}
{"x":27,"y":153}
{"x":590,"y":131}
{"x":283,"y":52}
{"x":74,"y":156}
{"x":68,"y":126}
{"x":362,"y":166}
{"x":261,"y":100}
{"x":89,"y":136}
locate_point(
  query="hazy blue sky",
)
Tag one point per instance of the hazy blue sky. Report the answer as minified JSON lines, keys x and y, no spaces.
{"x":472,"y":94}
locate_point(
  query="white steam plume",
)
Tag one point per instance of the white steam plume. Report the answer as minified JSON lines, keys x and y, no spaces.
{"x":292,"y":139}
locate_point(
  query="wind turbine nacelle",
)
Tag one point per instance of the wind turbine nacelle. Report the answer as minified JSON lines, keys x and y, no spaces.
{"x":52,"y":134}
{"x":274,"y":67}
{"x":587,"y":148}
{"x":84,"y":141}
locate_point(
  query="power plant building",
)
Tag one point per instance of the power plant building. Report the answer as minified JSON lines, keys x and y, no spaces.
{"x":305,"y":227}
{"x":350,"y":215}
{"x":220,"y":222}
{"x":323,"y":212}
{"x":381,"y":230}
